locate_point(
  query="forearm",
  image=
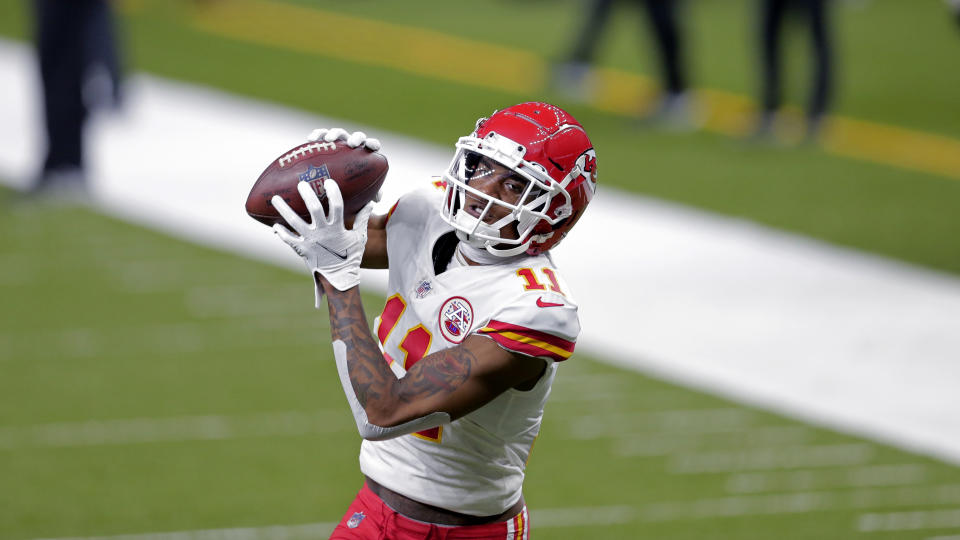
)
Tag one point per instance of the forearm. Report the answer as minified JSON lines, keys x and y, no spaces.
{"x":386,"y":400}
{"x":367,"y":381}
{"x":370,"y":375}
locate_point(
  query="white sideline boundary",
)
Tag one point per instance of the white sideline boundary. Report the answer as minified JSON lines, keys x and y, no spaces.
{"x":835,"y":337}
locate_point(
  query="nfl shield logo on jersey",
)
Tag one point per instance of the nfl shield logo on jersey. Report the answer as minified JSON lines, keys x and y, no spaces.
{"x":355,"y":520}
{"x":423,"y":288}
{"x":456,"y":317}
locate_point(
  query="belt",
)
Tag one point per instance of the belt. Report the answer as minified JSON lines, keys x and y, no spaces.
{"x":432,"y":514}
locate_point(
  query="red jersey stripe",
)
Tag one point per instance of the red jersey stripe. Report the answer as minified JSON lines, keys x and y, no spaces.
{"x":560,"y":343}
{"x":525,"y":345}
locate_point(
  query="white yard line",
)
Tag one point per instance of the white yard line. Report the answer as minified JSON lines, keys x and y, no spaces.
{"x":805,"y":480}
{"x":790,"y":457}
{"x":835,"y":337}
{"x":276,"y":532}
{"x":665,"y":443}
{"x":909,"y":521}
{"x":817,"y":501}
{"x":173,"y":429}
{"x":594,"y":426}
{"x":600,"y":516}
{"x":541,"y":519}
{"x":170,"y":338}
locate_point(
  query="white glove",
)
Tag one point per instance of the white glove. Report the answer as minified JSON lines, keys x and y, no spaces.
{"x":353,"y":140}
{"x":325,"y":245}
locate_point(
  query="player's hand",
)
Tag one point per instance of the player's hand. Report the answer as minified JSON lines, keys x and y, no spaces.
{"x":353,"y":140}
{"x":326,"y":245}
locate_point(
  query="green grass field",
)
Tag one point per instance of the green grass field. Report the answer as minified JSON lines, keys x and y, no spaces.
{"x":148,"y":385}
{"x":152,"y":386}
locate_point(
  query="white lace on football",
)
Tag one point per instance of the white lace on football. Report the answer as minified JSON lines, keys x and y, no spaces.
{"x":353,"y":140}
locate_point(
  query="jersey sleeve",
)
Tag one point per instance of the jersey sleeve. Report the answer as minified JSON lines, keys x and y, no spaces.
{"x":415,"y":206}
{"x":547,"y":332}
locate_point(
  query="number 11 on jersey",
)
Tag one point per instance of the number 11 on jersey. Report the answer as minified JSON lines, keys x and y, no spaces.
{"x":415,"y":345}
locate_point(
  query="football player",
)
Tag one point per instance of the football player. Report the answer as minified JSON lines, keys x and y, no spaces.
{"x":448,"y":390}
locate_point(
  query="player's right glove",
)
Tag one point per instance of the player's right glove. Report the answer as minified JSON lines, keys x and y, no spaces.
{"x":325,"y":245}
{"x":353,"y":140}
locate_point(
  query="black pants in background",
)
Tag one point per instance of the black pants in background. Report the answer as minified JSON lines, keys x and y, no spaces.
{"x":813,"y":14}
{"x":662,"y":15}
{"x":72,"y":37}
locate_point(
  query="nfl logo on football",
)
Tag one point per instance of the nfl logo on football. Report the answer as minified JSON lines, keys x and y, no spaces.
{"x":355,"y":520}
{"x":315,"y":176}
{"x":456,"y":318}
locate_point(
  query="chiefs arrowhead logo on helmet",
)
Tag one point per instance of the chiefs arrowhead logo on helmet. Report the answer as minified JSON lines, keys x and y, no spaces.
{"x":587,"y":162}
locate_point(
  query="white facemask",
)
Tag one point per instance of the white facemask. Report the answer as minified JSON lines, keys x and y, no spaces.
{"x":468,"y":222}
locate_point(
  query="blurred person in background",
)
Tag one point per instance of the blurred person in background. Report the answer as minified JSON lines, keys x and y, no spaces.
{"x":80,"y":70}
{"x":674,"y":105}
{"x":814,"y":15}
{"x":955,"y":9}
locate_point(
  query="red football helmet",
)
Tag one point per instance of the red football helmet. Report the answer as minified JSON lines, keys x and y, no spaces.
{"x":547,"y":150}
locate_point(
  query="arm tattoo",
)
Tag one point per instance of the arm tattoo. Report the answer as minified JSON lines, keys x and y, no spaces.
{"x":369,"y":373}
{"x":443,"y":371}
{"x":373,"y":380}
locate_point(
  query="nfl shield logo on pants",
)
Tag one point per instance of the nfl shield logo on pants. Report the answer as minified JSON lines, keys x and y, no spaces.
{"x":355,"y":520}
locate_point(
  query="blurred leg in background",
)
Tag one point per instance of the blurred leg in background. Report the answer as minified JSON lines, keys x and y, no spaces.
{"x":674,"y":106}
{"x":822,"y":68}
{"x":572,"y":77}
{"x":773,"y":15}
{"x":954,"y":6}
{"x":79,"y":70}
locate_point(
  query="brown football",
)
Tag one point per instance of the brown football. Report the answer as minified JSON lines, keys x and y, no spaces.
{"x":359,"y":173}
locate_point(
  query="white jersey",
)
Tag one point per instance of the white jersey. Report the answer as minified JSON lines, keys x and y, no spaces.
{"x":475,"y":464}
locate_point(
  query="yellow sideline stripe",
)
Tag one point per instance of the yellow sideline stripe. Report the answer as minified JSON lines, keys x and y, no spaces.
{"x":345,"y":37}
{"x":440,"y":56}
{"x":731,"y":114}
{"x":909,"y":149}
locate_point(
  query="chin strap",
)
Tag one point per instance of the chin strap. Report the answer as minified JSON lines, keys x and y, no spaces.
{"x":483,"y":255}
{"x":509,"y":253}
{"x":367,"y":430}
{"x":481,"y":250}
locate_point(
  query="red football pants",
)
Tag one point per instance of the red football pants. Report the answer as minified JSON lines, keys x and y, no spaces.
{"x":368,"y":518}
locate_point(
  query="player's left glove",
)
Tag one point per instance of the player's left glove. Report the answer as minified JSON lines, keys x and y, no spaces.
{"x":327,"y":247}
{"x":353,"y":140}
